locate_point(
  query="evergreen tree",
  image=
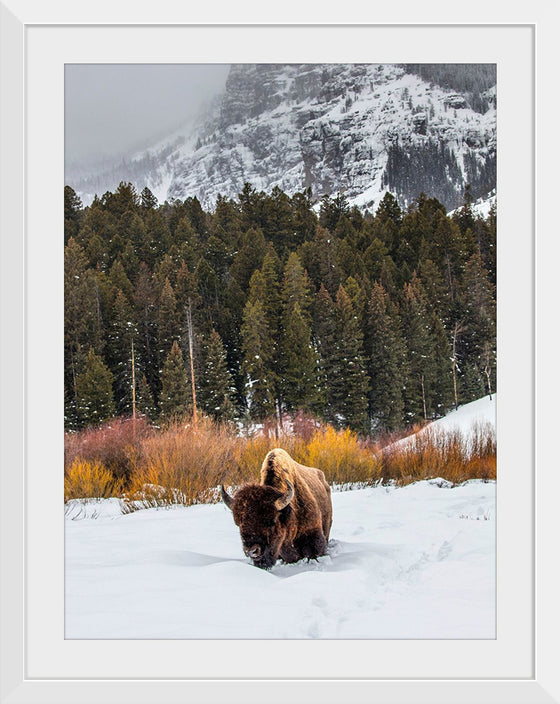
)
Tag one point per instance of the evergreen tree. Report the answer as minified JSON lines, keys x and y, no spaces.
{"x":144,"y":398}
{"x":188,"y":243}
{"x":94,"y":393}
{"x":249,"y":257}
{"x":418,"y":394}
{"x":299,"y":362}
{"x":169,"y":327}
{"x":145,"y":304}
{"x":174,"y":401}
{"x":479,"y":319}
{"x":325,"y":340}
{"x":385,"y":348}
{"x":257,"y":366}
{"x":442,"y":388}
{"x":72,"y":213}
{"x":148,"y":201}
{"x":83,"y":325}
{"x":349,"y":380}
{"x":216,"y":393}
{"x":296,"y":287}
{"x":304,"y":222}
{"x":122,"y":333}
{"x":419,"y":288}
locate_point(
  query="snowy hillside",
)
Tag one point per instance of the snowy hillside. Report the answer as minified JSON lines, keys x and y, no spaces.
{"x":361,"y":129}
{"x":410,"y":562}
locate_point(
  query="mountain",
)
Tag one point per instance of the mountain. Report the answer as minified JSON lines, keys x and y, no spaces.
{"x":360,"y":129}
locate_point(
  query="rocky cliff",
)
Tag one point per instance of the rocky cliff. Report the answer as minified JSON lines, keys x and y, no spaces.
{"x":360,"y":129}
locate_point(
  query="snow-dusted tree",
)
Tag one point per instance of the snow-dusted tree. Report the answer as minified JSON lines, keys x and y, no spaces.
{"x":349,"y":383}
{"x":94,"y":391}
{"x":300,"y":366}
{"x":174,"y":401}
{"x":216,"y":392}
{"x":257,"y":365}
{"x":386,"y":352}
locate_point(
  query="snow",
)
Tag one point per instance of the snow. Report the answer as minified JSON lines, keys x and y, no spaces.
{"x":465,"y":417}
{"x":411,"y":562}
{"x":403,"y":562}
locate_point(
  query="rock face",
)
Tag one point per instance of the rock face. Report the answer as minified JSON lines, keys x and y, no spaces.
{"x":360,"y":129}
{"x":340,"y":128}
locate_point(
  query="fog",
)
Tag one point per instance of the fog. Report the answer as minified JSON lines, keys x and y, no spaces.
{"x":113,"y":109}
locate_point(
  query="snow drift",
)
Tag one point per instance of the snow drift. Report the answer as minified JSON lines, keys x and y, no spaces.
{"x":403,"y":562}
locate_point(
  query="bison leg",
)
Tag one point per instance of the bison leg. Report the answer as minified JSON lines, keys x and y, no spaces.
{"x":289,"y":554}
{"x":311,"y":545}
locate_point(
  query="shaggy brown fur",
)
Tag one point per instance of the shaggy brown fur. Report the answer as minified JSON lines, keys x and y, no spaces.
{"x":299,"y":529}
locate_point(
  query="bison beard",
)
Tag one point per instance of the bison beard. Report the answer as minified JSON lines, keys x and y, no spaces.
{"x":287,"y":516}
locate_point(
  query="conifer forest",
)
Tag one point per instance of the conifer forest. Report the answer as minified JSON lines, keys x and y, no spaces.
{"x":273,"y":305}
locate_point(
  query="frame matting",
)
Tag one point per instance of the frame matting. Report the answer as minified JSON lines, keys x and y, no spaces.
{"x":37,"y":664}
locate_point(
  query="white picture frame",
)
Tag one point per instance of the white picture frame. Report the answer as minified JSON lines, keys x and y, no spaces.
{"x":37,"y":665}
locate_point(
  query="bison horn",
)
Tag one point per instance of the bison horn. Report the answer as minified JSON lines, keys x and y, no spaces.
{"x":284,"y":500}
{"x":226,"y":498}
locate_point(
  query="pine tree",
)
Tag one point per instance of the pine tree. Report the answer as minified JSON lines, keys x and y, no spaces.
{"x":216,"y":393}
{"x":349,"y":384}
{"x":121,"y":334}
{"x":144,"y":399}
{"x":174,"y":401}
{"x":94,"y":393}
{"x":296,"y":287}
{"x":148,"y":201}
{"x":145,"y":304}
{"x":188,"y":243}
{"x":249,"y":257}
{"x":325,"y":340}
{"x":83,"y":324}
{"x":72,"y":213}
{"x":257,"y":366}
{"x":169,"y":328}
{"x":418,"y":394}
{"x":442,"y":389}
{"x":479,"y":319}
{"x":385,"y":349}
{"x":299,"y":384}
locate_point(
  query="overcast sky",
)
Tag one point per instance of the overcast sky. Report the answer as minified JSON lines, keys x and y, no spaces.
{"x":111,"y":109}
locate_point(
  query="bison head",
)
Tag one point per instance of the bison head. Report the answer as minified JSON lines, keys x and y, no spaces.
{"x":262,"y":514}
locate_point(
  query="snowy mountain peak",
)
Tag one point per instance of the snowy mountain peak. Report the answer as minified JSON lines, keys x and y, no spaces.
{"x":360,"y":129}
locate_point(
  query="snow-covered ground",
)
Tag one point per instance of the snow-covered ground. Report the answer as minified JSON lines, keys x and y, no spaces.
{"x":410,"y":562}
{"x":465,"y":417}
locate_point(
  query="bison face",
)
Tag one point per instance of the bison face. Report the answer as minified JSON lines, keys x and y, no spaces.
{"x":262,"y":514}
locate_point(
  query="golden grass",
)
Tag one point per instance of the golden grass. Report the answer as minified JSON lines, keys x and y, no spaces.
{"x":184,"y":462}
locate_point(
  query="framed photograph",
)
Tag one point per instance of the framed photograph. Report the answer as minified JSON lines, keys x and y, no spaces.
{"x":41,"y":659}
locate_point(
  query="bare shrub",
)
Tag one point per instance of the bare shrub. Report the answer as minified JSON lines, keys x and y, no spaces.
{"x":451,"y":454}
{"x":185,"y":461}
{"x":116,"y":444}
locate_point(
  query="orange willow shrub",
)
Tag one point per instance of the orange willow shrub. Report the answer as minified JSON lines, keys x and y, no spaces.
{"x":181,"y":462}
{"x":84,"y":480}
{"x":184,"y":462}
{"x":341,"y":455}
{"x":452,"y":454}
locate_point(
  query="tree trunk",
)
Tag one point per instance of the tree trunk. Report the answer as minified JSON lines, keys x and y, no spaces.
{"x":133,"y":394}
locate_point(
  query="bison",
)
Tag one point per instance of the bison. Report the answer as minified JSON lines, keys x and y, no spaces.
{"x":287,"y":515}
